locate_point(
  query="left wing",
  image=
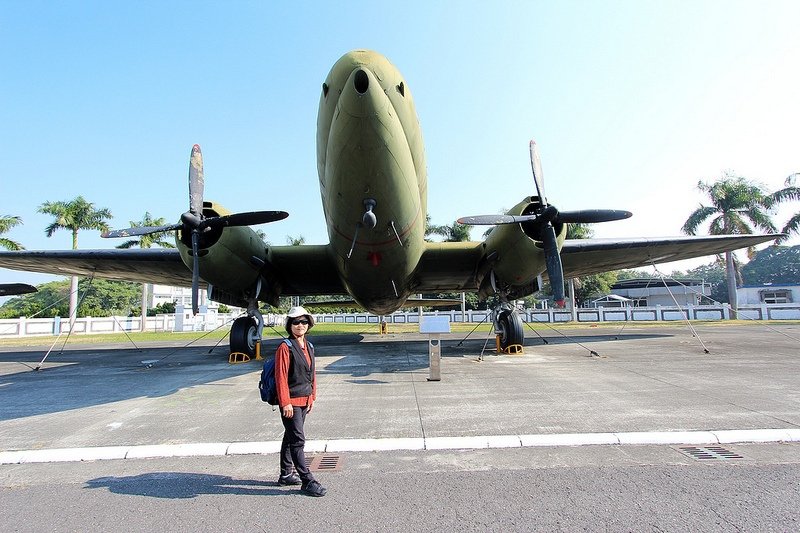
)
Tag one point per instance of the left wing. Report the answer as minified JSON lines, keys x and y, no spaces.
{"x":581,"y":257}
{"x":152,"y":265}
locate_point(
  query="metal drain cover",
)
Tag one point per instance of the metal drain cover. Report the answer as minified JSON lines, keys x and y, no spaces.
{"x":705,"y":453}
{"x":324,"y":462}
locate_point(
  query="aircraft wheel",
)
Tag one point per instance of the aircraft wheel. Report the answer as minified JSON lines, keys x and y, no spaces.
{"x":510,"y":328}
{"x":243,"y":335}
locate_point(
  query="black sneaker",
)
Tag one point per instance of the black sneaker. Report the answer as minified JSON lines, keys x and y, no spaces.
{"x":290,"y":479}
{"x":313,"y":488}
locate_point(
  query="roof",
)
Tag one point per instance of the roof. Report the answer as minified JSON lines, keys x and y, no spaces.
{"x":644,"y":283}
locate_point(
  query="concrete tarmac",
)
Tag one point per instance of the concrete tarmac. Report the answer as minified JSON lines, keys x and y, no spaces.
{"x":634,"y":408}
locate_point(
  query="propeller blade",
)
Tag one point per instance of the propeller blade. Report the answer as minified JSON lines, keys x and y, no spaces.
{"x":251,"y":218}
{"x":195,"y":270}
{"x":553,"y":261}
{"x":134,"y":232}
{"x":492,"y":220}
{"x":590,"y":216}
{"x":196,"y":181}
{"x":538,"y":175}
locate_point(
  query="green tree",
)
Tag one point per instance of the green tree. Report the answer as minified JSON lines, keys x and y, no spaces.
{"x":6,"y":223}
{"x":148,"y":241}
{"x":737,"y":206}
{"x":295,"y":241}
{"x":574,"y":286}
{"x":776,"y":264}
{"x":75,"y":215}
{"x":790,"y":192}
{"x":101,"y":298}
{"x":455,"y":232}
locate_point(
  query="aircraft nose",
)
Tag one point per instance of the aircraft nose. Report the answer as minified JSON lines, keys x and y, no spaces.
{"x":361,"y":82}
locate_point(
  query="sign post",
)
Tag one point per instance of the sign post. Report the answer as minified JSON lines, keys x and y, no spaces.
{"x":434,"y":326}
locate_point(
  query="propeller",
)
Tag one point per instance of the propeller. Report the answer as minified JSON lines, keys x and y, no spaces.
{"x":544,"y":218}
{"x":193,"y":221}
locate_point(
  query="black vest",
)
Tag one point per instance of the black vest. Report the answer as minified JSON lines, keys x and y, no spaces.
{"x":301,"y":375}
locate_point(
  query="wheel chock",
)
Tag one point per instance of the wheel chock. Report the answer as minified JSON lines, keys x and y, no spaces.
{"x":238,"y":357}
{"x":511,"y":349}
{"x":514,"y":349}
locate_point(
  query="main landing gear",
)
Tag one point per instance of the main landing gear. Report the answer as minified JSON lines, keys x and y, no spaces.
{"x":246,"y":332}
{"x":508,"y":328}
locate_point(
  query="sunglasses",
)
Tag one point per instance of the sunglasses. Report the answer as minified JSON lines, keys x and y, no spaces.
{"x":302,"y":321}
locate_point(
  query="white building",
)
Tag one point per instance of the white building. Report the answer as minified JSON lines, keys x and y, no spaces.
{"x":159,"y":294}
{"x":768,"y":294}
{"x":650,"y":292}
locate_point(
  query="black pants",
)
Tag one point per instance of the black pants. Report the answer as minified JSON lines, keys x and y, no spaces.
{"x":293,"y":445}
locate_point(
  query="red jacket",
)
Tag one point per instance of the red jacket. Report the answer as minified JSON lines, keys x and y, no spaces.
{"x":282,"y":379}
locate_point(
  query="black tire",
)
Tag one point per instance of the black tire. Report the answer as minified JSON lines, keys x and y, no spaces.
{"x":243,"y":335}
{"x":510,"y":328}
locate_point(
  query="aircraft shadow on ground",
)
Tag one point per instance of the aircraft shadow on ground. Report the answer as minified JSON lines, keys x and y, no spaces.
{"x":184,"y":485}
{"x":82,"y":378}
{"x":382,"y":355}
{"x":79,"y":378}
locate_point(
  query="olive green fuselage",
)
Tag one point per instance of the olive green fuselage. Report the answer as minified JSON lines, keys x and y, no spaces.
{"x":370,"y":156}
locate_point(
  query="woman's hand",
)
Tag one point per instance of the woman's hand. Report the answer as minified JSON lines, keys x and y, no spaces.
{"x":288,"y":411}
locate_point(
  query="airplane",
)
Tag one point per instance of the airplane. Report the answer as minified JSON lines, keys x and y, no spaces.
{"x":373,"y":182}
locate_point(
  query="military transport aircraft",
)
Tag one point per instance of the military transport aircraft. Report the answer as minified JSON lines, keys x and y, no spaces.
{"x":373,"y":182}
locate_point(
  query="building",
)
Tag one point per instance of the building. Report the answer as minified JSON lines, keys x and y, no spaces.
{"x":159,"y":294}
{"x":768,"y":294}
{"x":650,"y":292}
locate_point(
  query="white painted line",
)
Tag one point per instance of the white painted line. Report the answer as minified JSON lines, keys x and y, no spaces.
{"x":374,"y":445}
{"x":389,"y":444}
{"x":754,"y":435}
{"x":668,"y":437}
{"x":56,"y":455}
{"x":569,"y":439}
{"x":254,"y":448}
{"x":316,"y":446}
{"x":456,"y":443}
{"x":177,"y":450}
{"x":11,"y":458}
{"x":505,"y":441}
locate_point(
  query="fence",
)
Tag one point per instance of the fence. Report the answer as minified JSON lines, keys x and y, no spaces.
{"x":22,"y":327}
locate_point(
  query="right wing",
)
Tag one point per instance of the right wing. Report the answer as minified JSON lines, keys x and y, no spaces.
{"x":582,"y":257}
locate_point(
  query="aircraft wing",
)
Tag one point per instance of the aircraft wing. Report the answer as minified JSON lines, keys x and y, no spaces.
{"x":582,"y":257}
{"x":152,"y":265}
{"x":448,"y":266}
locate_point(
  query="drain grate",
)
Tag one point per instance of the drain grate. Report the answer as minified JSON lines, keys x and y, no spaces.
{"x":324,"y":463}
{"x":705,"y":453}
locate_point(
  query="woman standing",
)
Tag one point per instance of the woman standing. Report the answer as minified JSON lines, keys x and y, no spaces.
{"x":296,"y":381}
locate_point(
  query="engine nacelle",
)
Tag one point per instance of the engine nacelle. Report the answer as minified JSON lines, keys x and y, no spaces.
{"x":230,"y":258}
{"x":514,"y":254}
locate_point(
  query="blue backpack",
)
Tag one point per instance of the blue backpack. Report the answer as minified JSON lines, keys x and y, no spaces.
{"x":266,"y":385}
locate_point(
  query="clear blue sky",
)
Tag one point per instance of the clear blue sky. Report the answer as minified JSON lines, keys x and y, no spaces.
{"x":631,"y":102}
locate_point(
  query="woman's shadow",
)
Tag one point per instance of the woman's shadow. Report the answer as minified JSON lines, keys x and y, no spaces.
{"x":184,"y":485}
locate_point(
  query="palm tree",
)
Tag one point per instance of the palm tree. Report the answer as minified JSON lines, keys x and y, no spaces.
{"x":6,"y":223}
{"x":75,"y":215}
{"x":299,"y":241}
{"x":790,"y":192}
{"x":455,"y":232}
{"x":148,"y":241}
{"x":737,"y":205}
